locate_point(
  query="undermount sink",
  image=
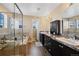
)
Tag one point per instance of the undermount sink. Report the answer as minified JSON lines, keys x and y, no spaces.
{"x":73,"y":42}
{"x":70,"y":41}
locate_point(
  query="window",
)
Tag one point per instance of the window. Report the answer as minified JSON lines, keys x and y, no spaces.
{"x":16,"y":24}
{"x":20,"y":23}
{"x":1,"y":20}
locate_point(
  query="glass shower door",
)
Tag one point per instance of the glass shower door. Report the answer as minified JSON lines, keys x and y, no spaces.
{"x":11,"y":31}
{"x":18,"y":31}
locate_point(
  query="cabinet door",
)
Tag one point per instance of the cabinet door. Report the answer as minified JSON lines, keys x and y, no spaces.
{"x":42,"y":38}
{"x":64,"y":50}
{"x":59,"y":48}
{"x":70,"y":52}
{"x":56,"y":49}
{"x":51,"y":47}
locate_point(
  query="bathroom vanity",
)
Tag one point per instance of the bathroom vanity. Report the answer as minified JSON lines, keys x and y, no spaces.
{"x":59,"y":45}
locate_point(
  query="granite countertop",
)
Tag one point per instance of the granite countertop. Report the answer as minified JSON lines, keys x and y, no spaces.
{"x":74,"y":44}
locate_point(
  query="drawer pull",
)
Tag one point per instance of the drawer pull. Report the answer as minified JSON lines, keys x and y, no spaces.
{"x":60,"y":46}
{"x":49,"y":49}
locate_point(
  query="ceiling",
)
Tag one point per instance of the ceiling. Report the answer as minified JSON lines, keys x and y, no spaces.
{"x":34,"y":9}
{"x":72,"y":10}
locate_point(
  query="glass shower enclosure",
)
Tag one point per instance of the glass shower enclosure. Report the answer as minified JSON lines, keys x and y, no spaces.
{"x":11,"y":31}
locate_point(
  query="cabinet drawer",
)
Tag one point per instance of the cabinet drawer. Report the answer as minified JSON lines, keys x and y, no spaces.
{"x":70,"y":52}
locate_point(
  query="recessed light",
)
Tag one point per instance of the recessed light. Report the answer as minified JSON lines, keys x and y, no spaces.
{"x":71,"y":4}
{"x":38,"y":9}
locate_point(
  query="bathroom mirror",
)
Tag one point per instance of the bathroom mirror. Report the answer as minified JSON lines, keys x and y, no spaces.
{"x":70,"y":27}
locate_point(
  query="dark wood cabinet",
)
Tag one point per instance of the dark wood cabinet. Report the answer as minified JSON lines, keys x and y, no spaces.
{"x":56,"y":48}
{"x":42,"y":38}
{"x":70,"y":52}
